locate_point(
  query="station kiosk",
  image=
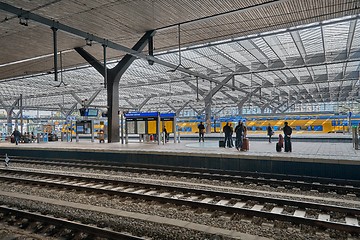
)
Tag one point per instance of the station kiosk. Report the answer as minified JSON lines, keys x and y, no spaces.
{"x":149,"y":124}
{"x":85,"y":127}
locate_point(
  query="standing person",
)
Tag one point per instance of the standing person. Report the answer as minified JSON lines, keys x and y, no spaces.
{"x":231,"y":136}
{"x":269,"y":132}
{"x":287,"y":137}
{"x":166,"y":134}
{"x":239,"y":131}
{"x":227,"y":130}
{"x":16,"y":135}
{"x":201,"y":128}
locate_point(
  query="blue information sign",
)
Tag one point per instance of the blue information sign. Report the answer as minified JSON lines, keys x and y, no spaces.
{"x":167,"y":115}
{"x":140,"y":114}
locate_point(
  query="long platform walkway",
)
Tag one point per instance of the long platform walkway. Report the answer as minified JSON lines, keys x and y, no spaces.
{"x":316,"y":151}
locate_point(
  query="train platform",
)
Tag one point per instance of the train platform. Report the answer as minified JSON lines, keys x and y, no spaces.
{"x":317,"y":158}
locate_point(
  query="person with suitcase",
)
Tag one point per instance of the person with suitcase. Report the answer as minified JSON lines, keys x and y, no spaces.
{"x":287,"y":137}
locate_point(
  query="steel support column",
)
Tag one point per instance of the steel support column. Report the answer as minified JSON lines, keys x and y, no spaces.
{"x":9,"y":113}
{"x":112,"y":85}
{"x":208,"y":115}
{"x":21,"y":114}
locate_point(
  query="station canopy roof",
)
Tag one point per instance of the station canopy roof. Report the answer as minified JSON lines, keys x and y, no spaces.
{"x":271,"y":54}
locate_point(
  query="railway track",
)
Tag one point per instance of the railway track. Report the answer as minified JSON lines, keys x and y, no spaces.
{"x":304,"y":183}
{"x":58,"y":227}
{"x":323,"y":216}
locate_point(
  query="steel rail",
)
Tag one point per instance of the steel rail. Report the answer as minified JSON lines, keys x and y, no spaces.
{"x":63,"y":223}
{"x":341,"y":186}
{"x":194,"y":204}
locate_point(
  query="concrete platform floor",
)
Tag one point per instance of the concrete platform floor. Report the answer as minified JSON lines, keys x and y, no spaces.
{"x":319,"y":151}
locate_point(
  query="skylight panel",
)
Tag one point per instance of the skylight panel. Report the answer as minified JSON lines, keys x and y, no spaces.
{"x":335,"y":36}
{"x":312,"y":40}
{"x":264,"y":48}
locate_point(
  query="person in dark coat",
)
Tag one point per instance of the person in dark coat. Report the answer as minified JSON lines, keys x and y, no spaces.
{"x":16,"y":135}
{"x":201,"y":128}
{"x":227,"y":130}
{"x":166,"y":134}
{"x":287,"y":137}
{"x":240,"y":134}
{"x":270,"y":132}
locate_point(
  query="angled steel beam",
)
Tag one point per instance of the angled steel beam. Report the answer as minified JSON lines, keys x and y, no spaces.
{"x":295,"y":35}
{"x":77,"y":98}
{"x":144,"y":102}
{"x":195,"y":110}
{"x":269,"y":102}
{"x":196,"y":89}
{"x":91,"y":60}
{"x":62,"y":110}
{"x":172,"y":108}
{"x":218,"y":111}
{"x":217,"y":88}
{"x":181,"y":108}
{"x":232,"y":98}
{"x":130,"y":103}
{"x":2,"y":104}
{"x":247,"y":97}
{"x":92,"y":98}
{"x":349,"y":42}
{"x":71,"y":110}
{"x":350,"y":38}
{"x":15,"y":103}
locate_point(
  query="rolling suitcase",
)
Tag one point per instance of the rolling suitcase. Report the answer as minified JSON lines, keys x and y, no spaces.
{"x":278,"y":147}
{"x":222,"y":143}
{"x":245,"y":145}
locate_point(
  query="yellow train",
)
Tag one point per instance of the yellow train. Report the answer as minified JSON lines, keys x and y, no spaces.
{"x":306,"y":123}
